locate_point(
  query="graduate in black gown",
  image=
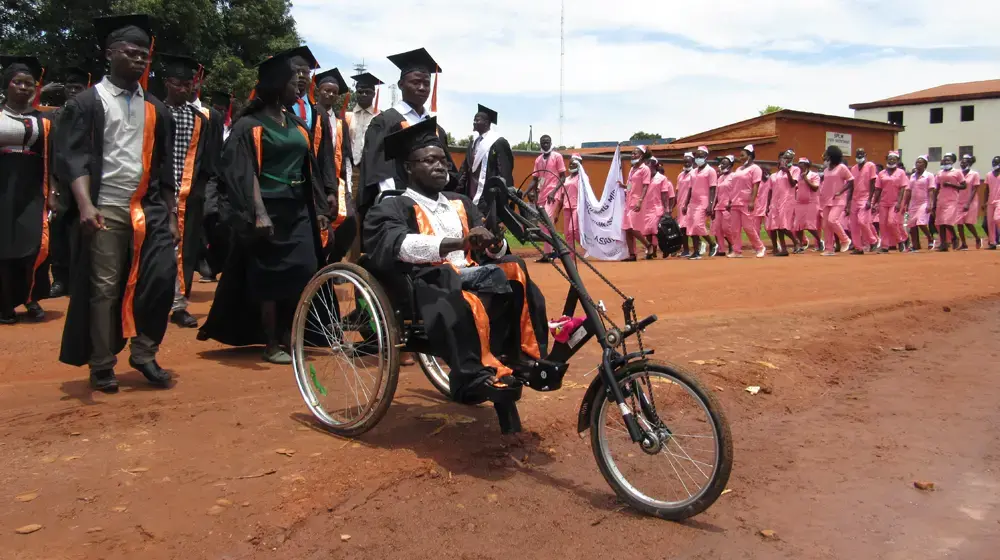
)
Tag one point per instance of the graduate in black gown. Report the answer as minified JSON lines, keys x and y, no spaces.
{"x":330,"y":85}
{"x":489,"y":155}
{"x":24,"y":191}
{"x":197,"y":139}
{"x":379,"y":173}
{"x":483,"y":319}
{"x":115,"y":151}
{"x":74,"y":80}
{"x":277,"y":206}
{"x":215,"y":230}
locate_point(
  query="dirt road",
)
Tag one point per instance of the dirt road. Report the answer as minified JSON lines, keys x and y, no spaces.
{"x":827,"y":460}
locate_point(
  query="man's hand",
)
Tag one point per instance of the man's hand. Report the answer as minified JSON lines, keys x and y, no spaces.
{"x":263,"y":226}
{"x":91,"y":219}
{"x":323,"y":222}
{"x":53,"y":201}
{"x":480,"y":238}
{"x":175,"y":231}
{"x":750,"y":207}
{"x":638,"y":208}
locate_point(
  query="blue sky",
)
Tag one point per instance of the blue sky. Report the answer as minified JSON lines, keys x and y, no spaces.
{"x":638,"y":65}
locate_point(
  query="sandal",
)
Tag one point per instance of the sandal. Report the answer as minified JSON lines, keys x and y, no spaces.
{"x":277,"y":356}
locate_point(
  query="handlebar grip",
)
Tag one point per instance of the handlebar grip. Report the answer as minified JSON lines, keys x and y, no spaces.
{"x":645,"y":323}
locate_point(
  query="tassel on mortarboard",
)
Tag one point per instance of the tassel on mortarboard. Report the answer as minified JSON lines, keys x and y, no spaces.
{"x":144,"y":80}
{"x":434,"y":92}
{"x":229,"y":112}
{"x":38,"y":90}
{"x":347,"y":101}
{"x":312,"y":89}
{"x":376,"y":100}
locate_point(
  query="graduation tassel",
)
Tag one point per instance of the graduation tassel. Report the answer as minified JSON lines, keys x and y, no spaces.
{"x":144,"y":80}
{"x":312,"y":89}
{"x":229,"y":112}
{"x":376,"y":100}
{"x":199,"y":77}
{"x":38,"y":90}
{"x":434,"y":92}
{"x":90,"y":78}
{"x":253,"y":92}
{"x":347,"y":101}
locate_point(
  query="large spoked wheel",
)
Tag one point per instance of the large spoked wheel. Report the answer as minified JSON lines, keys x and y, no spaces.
{"x":345,"y":349}
{"x":436,"y":373}
{"x":684,"y":463}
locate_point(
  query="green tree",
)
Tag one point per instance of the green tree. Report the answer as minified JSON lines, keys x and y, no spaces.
{"x":525,"y":146}
{"x":464,"y":142}
{"x":770,"y":109}
{"x":640,"y":136}
{"x":228,"y":36}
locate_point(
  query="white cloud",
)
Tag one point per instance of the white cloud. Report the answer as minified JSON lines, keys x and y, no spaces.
{"x":634,"y":64}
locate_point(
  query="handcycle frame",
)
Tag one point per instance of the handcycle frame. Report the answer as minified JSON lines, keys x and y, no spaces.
{"x":530,"y":224}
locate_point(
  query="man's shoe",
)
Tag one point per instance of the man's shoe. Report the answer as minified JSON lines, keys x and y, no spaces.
{"x":58,"y":290}
{"x":277,"y":356}
{"x":152,"y":372}
{"x":8,"y":318}
{"x":104,"y":381}
{"x":183,"y":319}
{"x":35,"y":311}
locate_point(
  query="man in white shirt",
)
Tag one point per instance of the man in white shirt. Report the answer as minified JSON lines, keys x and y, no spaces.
{"x":465,"y":284}
{"x":115,"y":150}
{"x":489,"y":155}
{"x":378,"y":171}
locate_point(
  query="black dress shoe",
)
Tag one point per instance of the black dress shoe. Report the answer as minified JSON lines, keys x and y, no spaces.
{"x":183,"y":319}
{"x":35,"y":311}
{"x":58,"y":290}
{"x":152,"y":372}
{"x":104,"y":381}
{"x":8,"y":318}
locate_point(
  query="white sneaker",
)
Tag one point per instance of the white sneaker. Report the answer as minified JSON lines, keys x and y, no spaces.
{"x":822,"y":246}
{"x":761,"y":253}
{"x":703,"y":249}
{"x":715,"y":250}
{"x":846,"y":248}
{"x":828,"y":254}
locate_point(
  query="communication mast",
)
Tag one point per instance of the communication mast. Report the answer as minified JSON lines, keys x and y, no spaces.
{"x":562,"y":65}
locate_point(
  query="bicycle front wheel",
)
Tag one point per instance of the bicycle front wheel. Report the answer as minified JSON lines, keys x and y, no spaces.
{"x":683,"y":465}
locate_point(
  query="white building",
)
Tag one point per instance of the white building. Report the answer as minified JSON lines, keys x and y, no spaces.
{"x":959,"y":118}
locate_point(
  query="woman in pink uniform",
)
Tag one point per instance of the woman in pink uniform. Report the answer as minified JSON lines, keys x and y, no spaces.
{"x":651,"y":208}
{"x":806,"y":213}
{"x":639,"y":179}
{"x":889,"y":188}
{"x":699,"y":202}
{"x":762,"y":205}
{"x":720,"y":211}
{"x":993,"y":203}
{"x":862,"y":232}
{"x":969,"y":215}
{"x":742,"y":195}
{"x":781,"y":224}
{"x":917,"y":202}
{"x":837,"y":181}
{"x":683,"y":188}
{"x":945,"y":201}
{"x":568,"y":197}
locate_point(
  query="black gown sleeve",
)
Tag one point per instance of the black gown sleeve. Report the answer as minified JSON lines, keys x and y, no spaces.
{"x":385,"y":227}
{"x":505,"y":160}
{"x":374,"y":168}
{"x":452,"y":169}
{"x":326,"y":168}
{"x":74,"y":144}
{"x":237,"y":168}
{"x":165,"y":179}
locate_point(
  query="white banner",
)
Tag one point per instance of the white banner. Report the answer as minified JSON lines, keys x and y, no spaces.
{"x":601,"y":220}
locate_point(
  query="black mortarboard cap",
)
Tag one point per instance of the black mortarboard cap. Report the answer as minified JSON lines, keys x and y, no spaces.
{"x":220,"y":97}
{"x":332,"y":75}
{"x":178,"y":66}
{"x":366,"y":79}
{"x":303,"y":52}
{"x":415,"y":61}
{"x":274,"y":72}
{"x":132,"y":28}
{"x":75,"y":75}
{"x":489,"y":113}
{"x":25,"y":62}
{"x":400,"y":144}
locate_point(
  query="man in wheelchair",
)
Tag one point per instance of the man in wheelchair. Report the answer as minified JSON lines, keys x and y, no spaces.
{"x":481,"y":312}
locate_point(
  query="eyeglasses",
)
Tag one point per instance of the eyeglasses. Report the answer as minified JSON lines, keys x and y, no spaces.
{"x":301,"y":71}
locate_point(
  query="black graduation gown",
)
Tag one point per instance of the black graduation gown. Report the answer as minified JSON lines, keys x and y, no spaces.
{"x":24,"y":228}
{"x":144,"y":307}
{"x":452,"y":317}
{"x":374,"y":167}
{"x":499,"y":163}
{"x":330,"y":140}
{"x":59,"y":226}
{"x":199,"y":168}
{"x":235,"y":317}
